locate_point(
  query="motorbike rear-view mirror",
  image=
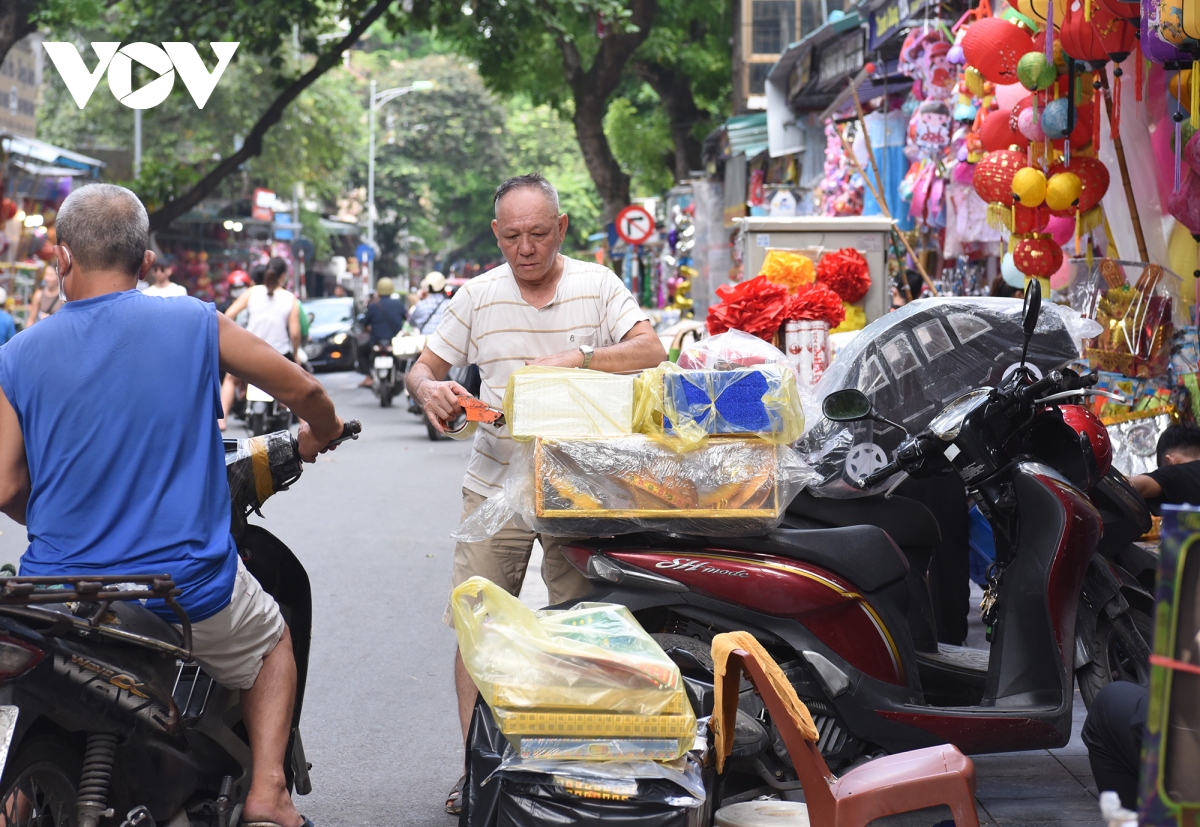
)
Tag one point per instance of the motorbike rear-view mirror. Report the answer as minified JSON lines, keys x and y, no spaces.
{"x":1029,"y":317}
{"x":849,"y":405}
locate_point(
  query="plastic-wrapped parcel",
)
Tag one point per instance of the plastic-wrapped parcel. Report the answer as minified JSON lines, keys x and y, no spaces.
{"x":915,"y":361}
{"x":585,"y":683}
{"x":541,"y":401}
{"x":683,"y":408}
{"x":585,"y":487}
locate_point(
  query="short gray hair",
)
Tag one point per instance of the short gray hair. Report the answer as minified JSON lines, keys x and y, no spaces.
{"x":533,"y":180}
{"x":105,"y":227}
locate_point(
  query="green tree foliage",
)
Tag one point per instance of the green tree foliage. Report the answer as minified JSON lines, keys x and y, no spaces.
{"x":440,"y":155}
{"x":317,"y":139}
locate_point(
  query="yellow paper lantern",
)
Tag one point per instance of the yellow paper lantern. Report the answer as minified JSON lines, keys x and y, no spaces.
{"x":1181,"y":252}
{"x":1029,"y":187}
{"x":1063,"y":190}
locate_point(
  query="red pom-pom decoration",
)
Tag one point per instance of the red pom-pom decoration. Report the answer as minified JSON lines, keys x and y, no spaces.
{"x":846,"y":273}
{"x":816,"y":303}
{"x":757,"y":307}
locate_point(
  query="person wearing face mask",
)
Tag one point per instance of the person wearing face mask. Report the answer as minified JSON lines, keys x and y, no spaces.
{"x":46,"y":299}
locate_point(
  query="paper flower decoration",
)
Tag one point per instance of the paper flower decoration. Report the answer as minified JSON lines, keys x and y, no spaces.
{"x":816,"y":303}
{"x":788,"y":268}
{"x":856,"y":319}
{"x":846,"y":273}
{"x":757,"y":307}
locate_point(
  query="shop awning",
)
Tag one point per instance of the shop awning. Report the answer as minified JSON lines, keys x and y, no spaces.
{"x":31,"y":150}
{"x":340,"y":227}
{"x":46,"y":170}
{"x":747,"y":135}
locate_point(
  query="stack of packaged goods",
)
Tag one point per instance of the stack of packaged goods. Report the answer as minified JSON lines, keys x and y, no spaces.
{"x":586,"y":683}
{"x":700,"y":446}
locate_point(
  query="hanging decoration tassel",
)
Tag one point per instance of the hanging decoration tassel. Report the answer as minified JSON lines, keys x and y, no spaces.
{"x":1097,"y":106}
{"x":1139,"y":72}
{"x":1050,"y":32}
{"x":1091,"y":247}
{"x":1087,"y":10}
{"x":1116,"y":92}
{"x":1178,"y":118}
{"x":1195,"y":94}
{"x":1078,"y":230}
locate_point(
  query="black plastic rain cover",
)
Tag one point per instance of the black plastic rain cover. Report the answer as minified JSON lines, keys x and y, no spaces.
{"x":911,"y":363}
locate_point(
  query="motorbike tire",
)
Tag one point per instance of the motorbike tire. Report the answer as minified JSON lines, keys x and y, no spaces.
{"x":256,"y":424}
{"x":432,"y":432}
{"x":1122,"y":653}
{"x":44,"y":770}
{"x":385,"y":398}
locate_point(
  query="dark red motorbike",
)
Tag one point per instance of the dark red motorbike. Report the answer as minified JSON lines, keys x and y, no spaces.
{"x":848,"y":614}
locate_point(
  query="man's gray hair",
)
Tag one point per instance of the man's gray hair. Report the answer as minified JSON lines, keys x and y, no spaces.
{"x":105,"y":227}
{"x":533,"y":180}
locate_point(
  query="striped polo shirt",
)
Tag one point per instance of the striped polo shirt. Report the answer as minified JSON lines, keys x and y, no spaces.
{"x":489,"y":324}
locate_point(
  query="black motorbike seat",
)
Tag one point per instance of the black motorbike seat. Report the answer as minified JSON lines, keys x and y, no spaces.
{"x":908,"y":522}
{"x":862,"y":554}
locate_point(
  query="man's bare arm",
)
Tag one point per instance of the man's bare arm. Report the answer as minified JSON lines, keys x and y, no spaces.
{"x":294,"y":327}
{"x":14,"y":472}
{"x":639,"y":349}
{"x":250,"y":358}
{"x":1145,"y":485}
{"x":426,"y":383}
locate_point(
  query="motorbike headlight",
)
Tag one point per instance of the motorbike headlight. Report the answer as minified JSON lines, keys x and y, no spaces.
{"x":946,"y":425}
{"x":338,"y":338}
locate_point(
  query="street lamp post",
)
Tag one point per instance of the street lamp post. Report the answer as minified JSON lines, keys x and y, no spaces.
{"x":378,"y":99}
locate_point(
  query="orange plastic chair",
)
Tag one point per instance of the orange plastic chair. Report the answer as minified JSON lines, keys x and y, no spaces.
{"x":884,"y":786}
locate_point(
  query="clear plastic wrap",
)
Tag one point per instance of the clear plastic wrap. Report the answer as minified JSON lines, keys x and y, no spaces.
{"x":911,"y":363}
{"x":564,"y":402}
{"x":683,"y":408}
{"x":730,"y":350}
{"x":586,"y":487}
{"x":590,"y":672}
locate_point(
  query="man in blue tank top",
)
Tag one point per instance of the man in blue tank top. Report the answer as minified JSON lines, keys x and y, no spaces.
{"x":111,"y":457}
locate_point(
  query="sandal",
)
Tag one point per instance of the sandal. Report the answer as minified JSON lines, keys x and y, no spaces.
{"x":307,"y":823}
{"x":454,"y":800}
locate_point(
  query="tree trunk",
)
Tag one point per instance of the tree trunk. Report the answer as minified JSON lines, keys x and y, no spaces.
{"x":14,"y":23}
{"x":591,"y":89}
{"x":675,"y":92}
{"x":253,"y":143}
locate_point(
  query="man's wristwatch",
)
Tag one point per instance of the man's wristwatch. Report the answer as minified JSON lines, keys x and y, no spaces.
{"x":588,"y":351}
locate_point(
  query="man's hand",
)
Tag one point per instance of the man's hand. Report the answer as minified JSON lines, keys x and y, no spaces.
{"x":311,"y":444}
{"x":440,"y":401}
{"x":565,"y":359}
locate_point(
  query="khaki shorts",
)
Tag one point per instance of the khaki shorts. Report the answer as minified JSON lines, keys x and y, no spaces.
{"x":231,"y":645}
{"x":504,"y":559}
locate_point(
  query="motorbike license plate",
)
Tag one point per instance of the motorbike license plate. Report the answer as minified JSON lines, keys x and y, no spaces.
{"x":383,"y":363}
{"x":8,"y":724}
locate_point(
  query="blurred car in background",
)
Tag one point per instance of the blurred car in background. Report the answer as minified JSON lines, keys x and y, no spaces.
{"x":331,"y":343}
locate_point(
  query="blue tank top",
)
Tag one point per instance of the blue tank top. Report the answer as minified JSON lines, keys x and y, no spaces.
{"x":118,"y":398}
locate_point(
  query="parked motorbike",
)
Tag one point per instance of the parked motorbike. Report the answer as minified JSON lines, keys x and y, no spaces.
{"x":264,"y":413}
{"x":848,"y":614}
{"x":102,"y":710}
{"x":387,"y":374}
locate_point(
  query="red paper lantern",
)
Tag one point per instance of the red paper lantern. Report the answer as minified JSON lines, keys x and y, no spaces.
{"x":8,"y":208}
{"x":994,"y":175}
{"x":1038,"y":256}
{"x":1117,"y":8}
{"x":1094,"y":177}
{"x":997,"y":133}
{"x":1104,"y":37}
{"x":1028,"y":220}
{"x":994,"y":46}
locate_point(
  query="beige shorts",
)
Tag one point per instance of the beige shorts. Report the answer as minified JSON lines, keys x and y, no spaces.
{"x":504,"y":559}
{"x":231,"y":645}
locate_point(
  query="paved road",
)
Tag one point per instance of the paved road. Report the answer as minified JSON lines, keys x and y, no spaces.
{"x":371,"y":523}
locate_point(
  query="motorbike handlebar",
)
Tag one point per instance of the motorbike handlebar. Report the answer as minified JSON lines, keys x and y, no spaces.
{"x":350,"y":430}
{"x":876,"y":477}
{"x":1029,"y":393}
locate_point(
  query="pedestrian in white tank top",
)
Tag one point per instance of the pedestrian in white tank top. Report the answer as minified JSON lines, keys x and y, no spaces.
{"x":274,"y":317}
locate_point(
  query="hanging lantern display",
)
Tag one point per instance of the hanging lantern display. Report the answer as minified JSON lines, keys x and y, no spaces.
{"x":994,"y":47}
{"x":998,"y":132}
{"x":1029,"y":187}
{"x":1079,"y":38}
{"x":1184,"y":205}
{"x":1035,"y":72}
{"x":1062,"y":192}
{"x":994,"y":175}
{"x":1093,"y":178}
{"x":1153,"y":45}
{"x":1027,"y":220}
{"x":1038,"y":9}
{"x":1038,"y":256}
{"x":1179,"y":23}
{"x":1123,"y":9}
{"x":1056,"y":119}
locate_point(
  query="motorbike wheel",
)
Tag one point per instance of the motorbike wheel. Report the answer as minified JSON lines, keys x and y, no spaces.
{"x":39,"y":785}
{"x":1122,"y":654}
{"x":385,"y":397}
{"x":256,"y":423}
{"x":432,"y":432}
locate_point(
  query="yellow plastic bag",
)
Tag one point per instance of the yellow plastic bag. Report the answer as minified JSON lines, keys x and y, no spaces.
{"x":564,"y":402}
{"x":586,"y":672}
{"x":683,"y":408}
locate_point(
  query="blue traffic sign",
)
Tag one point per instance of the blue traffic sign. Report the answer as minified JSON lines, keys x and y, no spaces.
{"x":365,"y":253}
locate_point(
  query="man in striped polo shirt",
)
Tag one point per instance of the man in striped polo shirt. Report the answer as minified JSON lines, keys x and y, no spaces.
{"x":540,"y":308}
